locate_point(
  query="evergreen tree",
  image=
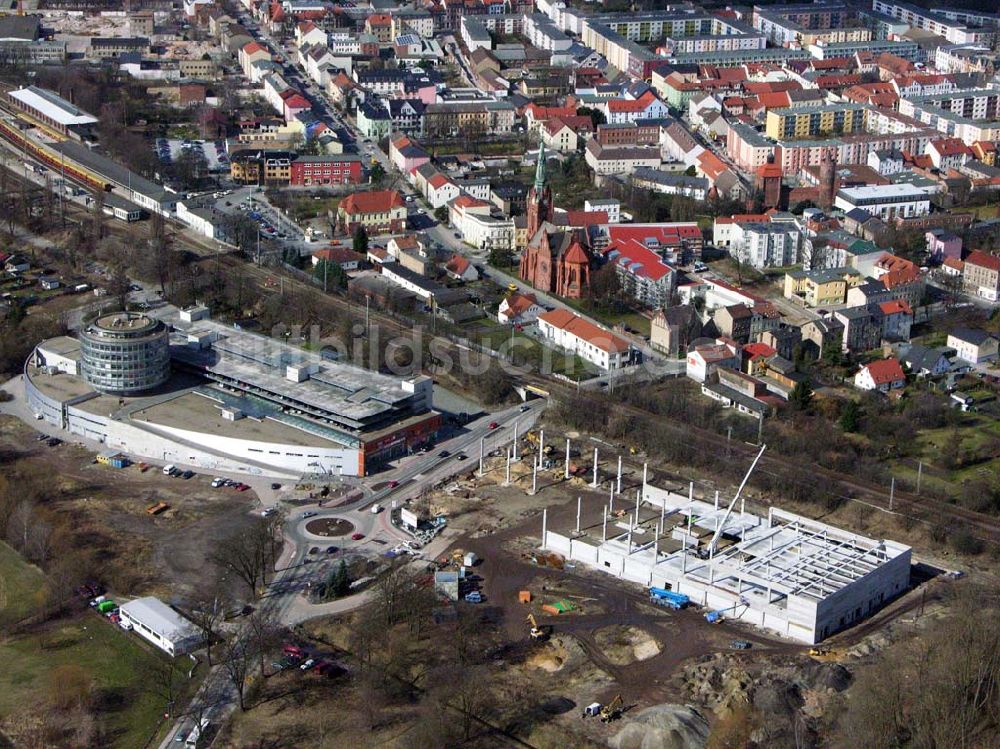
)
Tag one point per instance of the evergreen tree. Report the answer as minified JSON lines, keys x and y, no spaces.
{"x":850,"y":416}
{"x":361,"y":241}
{"x":801,"y":395}
{"x":341,"y":582}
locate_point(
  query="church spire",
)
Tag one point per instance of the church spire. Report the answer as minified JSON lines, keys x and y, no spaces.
{"x":540,"y":169}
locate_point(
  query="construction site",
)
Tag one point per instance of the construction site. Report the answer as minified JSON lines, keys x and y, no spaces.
{"x":783,"y":572}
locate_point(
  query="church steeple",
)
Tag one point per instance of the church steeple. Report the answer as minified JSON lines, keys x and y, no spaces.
{"x":539,"y":204}
{"x":540,"y":169}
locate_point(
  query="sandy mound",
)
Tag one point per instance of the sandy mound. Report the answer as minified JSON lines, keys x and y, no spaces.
{"x":623,"y":645}
{"x":662,"y":727}
{"x":556,"y":654}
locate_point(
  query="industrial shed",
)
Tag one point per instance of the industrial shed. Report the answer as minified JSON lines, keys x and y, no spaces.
{"x":161,"y":625}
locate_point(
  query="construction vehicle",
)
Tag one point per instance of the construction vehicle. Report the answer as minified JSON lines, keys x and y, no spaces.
{"x":613,"y":710}
{"x":536,"y":632}
{"x":714,"y":617}
{"x":818,"y":652}
{"x":709,"y":551}
{"x":668,"y":598}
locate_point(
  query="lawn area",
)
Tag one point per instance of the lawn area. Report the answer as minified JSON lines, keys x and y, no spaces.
{"x":20,"y":583}
{"x":632,"y":319}
{"x":981,"y":211}
{"x":122,"y":666}
{"x":308,"y":208}
{"x":496,"y":336}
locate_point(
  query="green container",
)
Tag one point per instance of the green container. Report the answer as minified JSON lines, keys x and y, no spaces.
{"x":106,"y":606}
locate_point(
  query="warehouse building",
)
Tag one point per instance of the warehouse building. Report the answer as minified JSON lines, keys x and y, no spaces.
{"x":783,"y":572}
{"x":51,"y":110}
{"x":161,"y":625}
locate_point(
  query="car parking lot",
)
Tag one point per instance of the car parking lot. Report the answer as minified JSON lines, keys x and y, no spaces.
{"x":211,"y":153}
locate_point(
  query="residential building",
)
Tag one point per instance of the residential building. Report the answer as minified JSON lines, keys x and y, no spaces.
{"x":897,"y":319}
{"x":460,"y":268}
{"x":598,"y":346}
{"x":379,"y":212}
{"x":972,"y":345}
{"x":862,"y":328}
{"x":766,"y":245}
{"x":981,"y":275}
{"x":883,"y":375}
{"x":734,"y":321}
{"x":519,"y":308}
{"x":942,"y":244}
{"x":922,"y":361}
{"x":703,"y":359}
{"x":673,"y":328}
{"x":821,"y":288}
{"x":642,"y":273}
{"x":342,"y":169}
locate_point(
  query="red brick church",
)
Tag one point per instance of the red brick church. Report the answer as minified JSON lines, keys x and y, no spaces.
{"x":554,"y":260}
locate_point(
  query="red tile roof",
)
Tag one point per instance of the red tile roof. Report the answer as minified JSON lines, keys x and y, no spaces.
{"x":638,"y":260}
{"x":519,"y":303}
{"x":983,"y":260}
{"x":458,"y":265}
{"x":378,"y":201}
{"x":337,"y":255}
{"x":885,"y":371}
{"x":585,"y":330}
{"x":758,"y":349}
{"x":897,"y":306}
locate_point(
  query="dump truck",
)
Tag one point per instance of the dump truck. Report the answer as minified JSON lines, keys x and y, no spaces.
{"x":668,"y":598}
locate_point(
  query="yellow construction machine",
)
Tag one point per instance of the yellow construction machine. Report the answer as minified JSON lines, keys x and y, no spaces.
{"x":536,"y":632}
{"x":613,"y":710}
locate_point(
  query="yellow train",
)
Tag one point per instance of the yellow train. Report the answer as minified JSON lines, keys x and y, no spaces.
{"x":52,"y":158}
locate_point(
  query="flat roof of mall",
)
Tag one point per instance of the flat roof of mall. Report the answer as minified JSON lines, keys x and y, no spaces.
{"x":199,"y":413}
{"x":60,"y":387}
{"x":350,"y":392}
{"x":52,"y":106}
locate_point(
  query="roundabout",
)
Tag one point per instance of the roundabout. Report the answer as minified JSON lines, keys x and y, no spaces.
{"x":330,"y":527}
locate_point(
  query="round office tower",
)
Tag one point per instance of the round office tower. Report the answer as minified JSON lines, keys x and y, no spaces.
{"x":125,"y":353}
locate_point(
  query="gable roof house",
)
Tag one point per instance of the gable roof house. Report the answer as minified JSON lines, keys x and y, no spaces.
{"x":883,"y":375}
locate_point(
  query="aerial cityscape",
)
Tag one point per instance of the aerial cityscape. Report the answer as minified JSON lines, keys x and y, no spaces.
{"x":499,"y":373}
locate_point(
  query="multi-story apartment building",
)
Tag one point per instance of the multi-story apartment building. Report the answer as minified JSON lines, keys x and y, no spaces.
{"x":981,"y":275}
{"x":805,"y":122}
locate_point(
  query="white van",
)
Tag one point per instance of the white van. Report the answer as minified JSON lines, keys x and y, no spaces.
{"x":168,"y":469}
{"x":194,"y":738}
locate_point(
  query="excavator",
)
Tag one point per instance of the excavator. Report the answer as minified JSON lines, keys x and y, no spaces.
{"x":536,"y":632}
{"x":613,"y":710}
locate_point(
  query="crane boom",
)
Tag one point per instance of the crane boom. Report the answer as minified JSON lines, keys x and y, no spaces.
{"x":729,"y":510}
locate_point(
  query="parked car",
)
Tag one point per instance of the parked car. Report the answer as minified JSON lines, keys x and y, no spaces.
{"x":357,"y":536}
{"x":187,"y":474}
{"x":307,"y":664}
{"x":740,"y":644}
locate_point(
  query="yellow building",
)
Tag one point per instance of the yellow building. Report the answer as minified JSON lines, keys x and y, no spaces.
{"x":821,"y":287}
{"x":782,"y":124}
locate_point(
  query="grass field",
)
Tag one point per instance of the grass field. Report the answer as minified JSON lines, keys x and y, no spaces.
{"x":496,"y":336}
{"x":20,"y":584}
{"x":120,"y":663}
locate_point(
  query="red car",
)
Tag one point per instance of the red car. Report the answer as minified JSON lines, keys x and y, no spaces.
{"x":357,"y":536}
{"x":392,"y":484}
{"x":493,"y":425}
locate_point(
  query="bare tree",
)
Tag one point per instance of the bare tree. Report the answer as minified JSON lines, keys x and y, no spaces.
{"x":247,"y":553}
{"x":207,"y":611}
{"x":237,"y":660}
{"x":265,"y":631}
